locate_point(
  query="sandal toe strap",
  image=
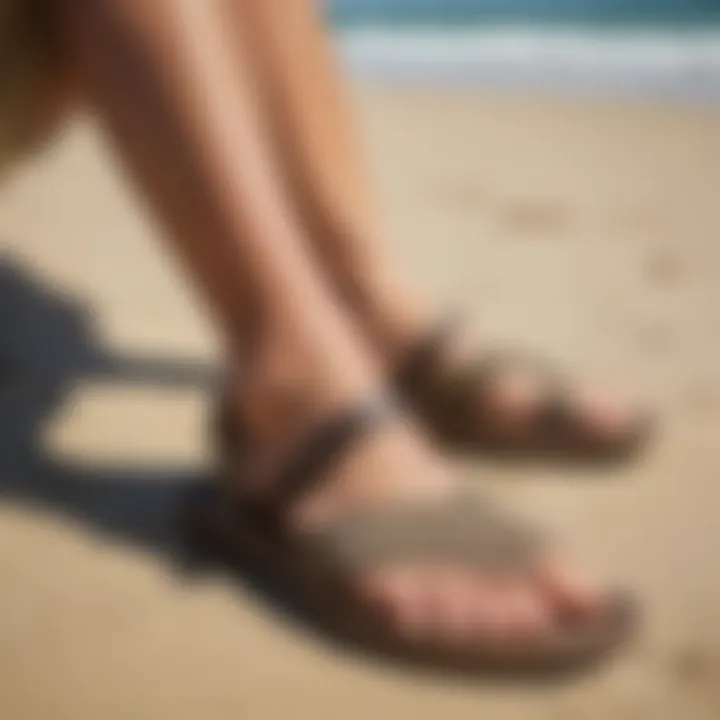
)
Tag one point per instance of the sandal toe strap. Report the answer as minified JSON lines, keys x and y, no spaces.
{"x":465,"y":530}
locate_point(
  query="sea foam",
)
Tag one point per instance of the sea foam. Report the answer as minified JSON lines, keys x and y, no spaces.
{"x":660,"y":62}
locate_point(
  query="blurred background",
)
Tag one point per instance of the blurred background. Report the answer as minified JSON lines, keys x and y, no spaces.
{"x":649,"y":46}
{"x":551,"y":166}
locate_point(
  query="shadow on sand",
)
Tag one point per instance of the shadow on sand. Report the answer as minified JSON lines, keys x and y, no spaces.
{"x":47,"y":345}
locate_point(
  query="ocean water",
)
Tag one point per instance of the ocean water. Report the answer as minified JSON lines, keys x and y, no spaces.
{"x":588,"y":12}
{"x":667,"y":48}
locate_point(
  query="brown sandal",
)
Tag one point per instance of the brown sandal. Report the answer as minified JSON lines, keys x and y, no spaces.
{"x":446,"y":400}
{"x":318,"y":567}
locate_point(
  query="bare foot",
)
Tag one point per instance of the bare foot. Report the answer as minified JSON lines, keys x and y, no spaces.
{"x":451,"y":604}
{"x":495,"y":401}
{"x":436,"y":366}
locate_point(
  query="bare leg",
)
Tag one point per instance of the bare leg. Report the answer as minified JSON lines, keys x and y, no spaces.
{"x":183,"y":117}
{"x":182,"y":114}
{"x":322,"y":158}
{"x":317,"y":139}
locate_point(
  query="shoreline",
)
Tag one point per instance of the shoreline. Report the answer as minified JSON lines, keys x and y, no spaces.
{"x":678,"y":65}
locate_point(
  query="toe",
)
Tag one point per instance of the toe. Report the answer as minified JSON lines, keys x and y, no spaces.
{"x":450,"y":596}
{"x":510,"y":610}
{"x":529,"y":614}
{"x":571,"y":591}
{"x":399,"y":597}
{"x":610,"y":418}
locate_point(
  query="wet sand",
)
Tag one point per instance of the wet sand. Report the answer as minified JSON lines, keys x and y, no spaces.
{"x":586,"y":229}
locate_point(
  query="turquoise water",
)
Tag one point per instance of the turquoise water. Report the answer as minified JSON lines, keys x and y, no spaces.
{"x":669,"y":48}
{"x":350,"y":13}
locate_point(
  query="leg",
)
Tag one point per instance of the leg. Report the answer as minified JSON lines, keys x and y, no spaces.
{"x":320,"y":151}
{"x":317,"y":139}
{"x":183,"y":118}
{"x":182,"y":113}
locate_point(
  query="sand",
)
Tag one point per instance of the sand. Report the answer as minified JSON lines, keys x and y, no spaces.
{"x":587,"y":229}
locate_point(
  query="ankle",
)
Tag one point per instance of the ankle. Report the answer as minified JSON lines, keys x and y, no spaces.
{"x":390,"y":317}
{"x":284,"y":384}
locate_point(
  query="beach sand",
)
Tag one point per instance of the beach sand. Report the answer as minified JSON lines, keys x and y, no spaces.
{"x":586,"y":229}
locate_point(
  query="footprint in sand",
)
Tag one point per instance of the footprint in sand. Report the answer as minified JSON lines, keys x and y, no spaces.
{"x":464,"y":196}
{"x":696,"y":669}
{"x":535,"y":217}
{"x":664,"y":268}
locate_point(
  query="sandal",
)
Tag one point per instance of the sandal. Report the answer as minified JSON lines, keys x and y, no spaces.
{"x":449,"y":402}
{"x":318,"y":566}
